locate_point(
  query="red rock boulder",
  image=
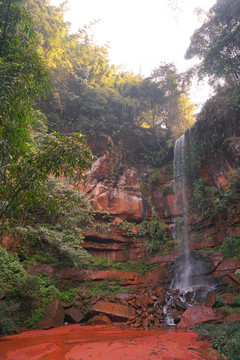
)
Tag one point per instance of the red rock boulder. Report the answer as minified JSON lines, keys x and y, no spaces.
{"x":196,"y":315}
{"x":53,"y":316}
{"x":100,"y":320}
{"x":73,"y":315}
{"x":233,"y":317}
{"x":116,"y":312}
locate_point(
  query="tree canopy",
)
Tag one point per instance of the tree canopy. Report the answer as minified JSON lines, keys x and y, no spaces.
{"x":217,"y":42}
{"x":29,"y":155}
{"x":92,"y":96}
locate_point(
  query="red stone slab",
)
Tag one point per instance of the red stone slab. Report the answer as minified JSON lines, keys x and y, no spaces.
{"x":104,"y":343}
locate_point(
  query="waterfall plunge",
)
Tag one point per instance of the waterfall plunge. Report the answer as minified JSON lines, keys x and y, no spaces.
{"x":181,"y":235}
{"x":190,"y":267}
{"x":189,"y":284}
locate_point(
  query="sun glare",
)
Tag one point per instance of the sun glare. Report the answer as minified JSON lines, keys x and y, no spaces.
{"x":141,"y":34}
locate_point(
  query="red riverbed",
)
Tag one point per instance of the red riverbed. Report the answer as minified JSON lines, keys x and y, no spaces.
{"x":75,"y":342}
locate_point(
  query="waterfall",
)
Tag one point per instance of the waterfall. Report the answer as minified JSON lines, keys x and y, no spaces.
{"x":190,"y":267}
{"x":181,"y":234}
{"x":189,"y":282}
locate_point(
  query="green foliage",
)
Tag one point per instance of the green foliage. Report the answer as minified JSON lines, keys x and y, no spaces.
{"x":216,"y":42}
{"x":23,"y":78}
{"x":237,"y":300}
{"x":7,"y":318}
{"x":104,"y":288}
{"x":231,"y":247}
{"x":28,"y":158}
{"x":212,"y":200}
{"x":63,"y":244}
{"x":127,"y":227}
{"x":23,"y":297}
{"x":19,"y":292}
{"x":201,"y":196}
{"x":153,"y":176}
{"x":48,"y":293}
{"x":57,"y":155}
{"x":52,"y":225}
{"x":238,"y":273}
{"x":167,"y":190}
{"x":227,"y":310}
{"x":138,"y":266}
{"x":102,"y":228}
{"x":154,"y":233}
{"x":224,"y":337}
{"x":218,"y":302}
{"x":68,"y":296}
{"x":94,"y":97}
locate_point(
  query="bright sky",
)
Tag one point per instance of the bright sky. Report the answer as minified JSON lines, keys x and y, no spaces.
{"x":141,"y":33}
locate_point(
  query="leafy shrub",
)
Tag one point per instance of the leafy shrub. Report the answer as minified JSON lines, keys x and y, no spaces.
{"x":68,"y":296}
{"x":237,"y":300}
{"x":138,"y":266}
{"x":23,"y":296}
{"x":19,"y":292}
{"x":227,"y":310}
{"x":218,"y":302}
{"x":126,"y":226}
{"x":211,"y":200}
{"x":154,"y":232}
{"x":224,"y":337}
{"x":53,"y":225}
{"x":104,"y":288}
{"x":7,"y":318}
{"x":231,"y":247}
{"x":167,"y":190}
{"x":238,"y":273}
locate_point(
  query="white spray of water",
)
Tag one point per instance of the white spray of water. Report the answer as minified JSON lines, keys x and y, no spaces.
{"x":181,"y":234}
{"x":189,"y":267}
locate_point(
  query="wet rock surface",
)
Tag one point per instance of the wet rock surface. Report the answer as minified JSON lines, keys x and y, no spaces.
{"x":104,"y":342}
{"x":197,"y":314}
{"x":199,"y":266}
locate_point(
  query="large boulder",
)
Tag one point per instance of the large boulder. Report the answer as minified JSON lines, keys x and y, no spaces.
{"x":233,"y":317}
{"x":116,"y":312}
{"x":73,"y":315}
{"x":53,"y":316}
{"x":229,"y":299}
{"x":196,"y":315}
{"x":99,"y":320}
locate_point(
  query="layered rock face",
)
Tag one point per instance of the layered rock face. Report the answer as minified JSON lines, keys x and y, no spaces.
{"x":114,"y":197}
{"x":126,"y":193}
{"x":118,"y":195}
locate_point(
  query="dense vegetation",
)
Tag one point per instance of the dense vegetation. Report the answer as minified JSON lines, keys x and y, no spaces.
{"x":93,"y":97}
{"x":224,"y":338}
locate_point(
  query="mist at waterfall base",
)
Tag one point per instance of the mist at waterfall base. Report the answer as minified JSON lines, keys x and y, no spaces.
{"x":190,"y":284}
